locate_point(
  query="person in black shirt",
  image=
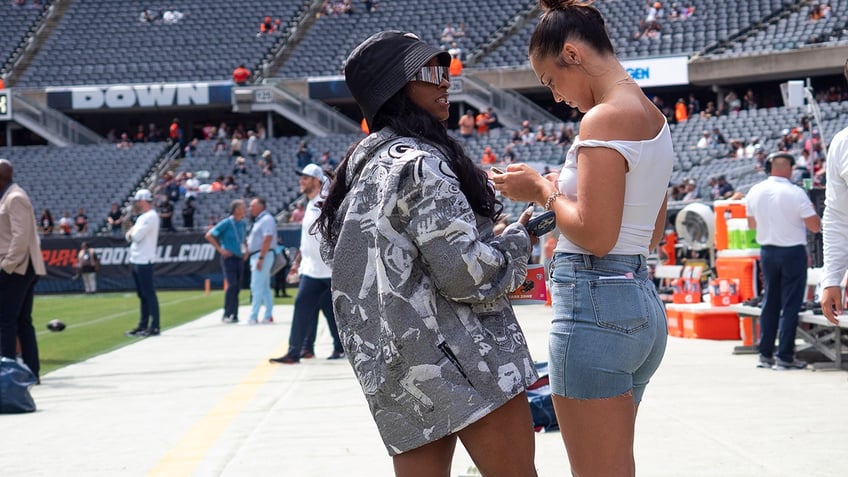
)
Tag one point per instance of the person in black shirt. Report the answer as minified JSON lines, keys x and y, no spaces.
{"x":115,"y":219}
{"x":166,"y":215}
{"x":188,"y":213}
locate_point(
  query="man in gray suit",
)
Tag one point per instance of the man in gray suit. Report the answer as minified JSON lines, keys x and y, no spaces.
{"x":20,"y":266}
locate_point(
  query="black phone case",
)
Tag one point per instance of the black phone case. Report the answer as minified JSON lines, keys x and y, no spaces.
{"x":542,"y":224}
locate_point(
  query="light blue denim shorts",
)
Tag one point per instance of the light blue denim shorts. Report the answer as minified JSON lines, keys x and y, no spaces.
{"x":609,"y":328}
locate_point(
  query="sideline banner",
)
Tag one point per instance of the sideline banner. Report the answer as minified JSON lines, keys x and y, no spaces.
{"x":183,"y":260}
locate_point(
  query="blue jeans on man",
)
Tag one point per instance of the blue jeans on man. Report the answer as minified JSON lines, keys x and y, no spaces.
{"x":233,"y":272}
{"x":313,"y":295}
{"x":785,"y":280}
{"x":143,"y":278}
{"x":260,"y":288}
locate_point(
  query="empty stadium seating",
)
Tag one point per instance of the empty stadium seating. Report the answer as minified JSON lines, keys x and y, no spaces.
{"x":92,"y":177}
{"x":104,"y":42}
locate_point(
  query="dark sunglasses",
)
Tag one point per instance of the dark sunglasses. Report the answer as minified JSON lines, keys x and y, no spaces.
{"x":433,"y":74}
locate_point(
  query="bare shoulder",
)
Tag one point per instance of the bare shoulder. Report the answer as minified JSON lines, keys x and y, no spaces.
{"x":630,"y":117}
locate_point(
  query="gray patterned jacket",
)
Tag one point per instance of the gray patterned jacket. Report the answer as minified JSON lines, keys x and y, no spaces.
{"x":419,"y":293}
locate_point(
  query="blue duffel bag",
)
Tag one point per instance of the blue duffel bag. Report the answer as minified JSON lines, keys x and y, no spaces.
{"x":15,"y":381}
{"x":541,"y":404}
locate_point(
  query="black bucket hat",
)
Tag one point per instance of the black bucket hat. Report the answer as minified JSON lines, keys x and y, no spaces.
{"x":382,"y":65}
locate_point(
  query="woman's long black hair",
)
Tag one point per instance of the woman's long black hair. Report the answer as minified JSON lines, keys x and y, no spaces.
{"x":407,"y":119}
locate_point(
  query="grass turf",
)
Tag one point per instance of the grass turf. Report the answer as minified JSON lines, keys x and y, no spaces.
{"x":96,"y":323}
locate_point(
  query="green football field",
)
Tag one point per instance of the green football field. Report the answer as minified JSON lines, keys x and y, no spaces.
{"x":96,"y":323}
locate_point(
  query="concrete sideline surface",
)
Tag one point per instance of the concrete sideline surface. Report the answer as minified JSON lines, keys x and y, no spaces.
{"x":202,"y":400}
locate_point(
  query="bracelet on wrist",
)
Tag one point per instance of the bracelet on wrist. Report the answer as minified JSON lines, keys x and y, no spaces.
{"x":551,"y":199}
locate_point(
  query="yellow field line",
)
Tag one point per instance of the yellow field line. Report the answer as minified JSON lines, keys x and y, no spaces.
{"x":189,"y":452}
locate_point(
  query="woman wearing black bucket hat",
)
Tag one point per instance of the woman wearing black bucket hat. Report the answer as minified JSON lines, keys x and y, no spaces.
{"x":420,"y":279}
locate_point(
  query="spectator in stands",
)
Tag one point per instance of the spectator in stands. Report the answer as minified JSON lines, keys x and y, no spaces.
{"x":153,"y":133}
{"x":166,"y":215}
{"x":749,"y":101}
{"x":816,"y":13}
{"x":455,"y":65}
{"x":734,"y":104}
{"x":515,"y":138}
{"x":143,"y":237}
{"x":326,"y":162}
{"x":625,"y":142}
{"x":781,"y":213}
{"x":488,"y":158}
{"x":527,"y":135}
{"x":140,"y":135}
{"x":370,"y":5}
{"x":455,"y":50}
{"x":448,"y":34}
{"x":693,"y":105}
{"x":115,"y":219}
{"x":171,"y":16}
{"x":87,"y":266}
{"x":124,"y":142}
{"x":217,"y":185}
{"x":681,"y":111}
{"x":230,"y":183}
{"x":466,"y":124}
{"x":544,"y":136}
{"x":724,"y":189}
{"x":228,"y":238}
{"x":241,"y":75}
{"x":175,"y":133}
{"x":236,"y":144}
{"x":509,"y":155}
{"x":449,"y":248}
{"x":81,"y":222}
{"x":191,"y":148}
{"x":252,"y":146}
{"x":45,"y":223}
{"x":566,"y":136}
{"x":303,"y":155}
{"x":482,"y":123}
{"x":66,"y":224}
{"x":709,"y":110}
{"x":266,"y":27}
{"x":690,"y":190}
{"x":704,"y":141}
{"x":266,"y":164}
{"x":494,"y":122}
{"x":188,"y":212}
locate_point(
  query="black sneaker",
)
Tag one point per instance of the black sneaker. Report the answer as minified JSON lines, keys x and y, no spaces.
{"x":153,"y":332}
{"x":336,"y":355}
{"x":136,"y":333}
{"x":286,"y":359}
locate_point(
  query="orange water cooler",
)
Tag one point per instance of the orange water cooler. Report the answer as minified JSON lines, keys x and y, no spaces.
{"x":725,"y":210}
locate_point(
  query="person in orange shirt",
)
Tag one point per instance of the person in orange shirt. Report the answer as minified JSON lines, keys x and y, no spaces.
{"x":482,"y":122}
{"x":455,"y":67}
{"x":241,"y":75}
{"x":681,"y":111}
{"x":488,"y":157}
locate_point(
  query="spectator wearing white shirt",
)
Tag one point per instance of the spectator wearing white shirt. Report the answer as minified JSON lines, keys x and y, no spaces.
{"x":143,"y":237}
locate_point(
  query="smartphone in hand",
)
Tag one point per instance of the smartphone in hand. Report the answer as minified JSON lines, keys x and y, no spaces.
{"x":542,"y":224}
{"x":497,"y":170}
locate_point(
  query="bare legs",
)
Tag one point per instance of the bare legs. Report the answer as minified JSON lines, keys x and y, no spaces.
{"x":501,"y":444}
{"x":598,"y":435}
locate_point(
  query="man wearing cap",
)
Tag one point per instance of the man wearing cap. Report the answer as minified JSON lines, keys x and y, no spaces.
{"x":259,"y":241}
{"x":227,"y":236}
{"x":313,"y":292}
{"x":781,"y":213}
{"x":20,"y":266}
{"x":143,"y":237}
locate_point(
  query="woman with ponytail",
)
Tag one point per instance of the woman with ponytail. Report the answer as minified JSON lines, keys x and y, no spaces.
{"x":420,"y":280}
{"x":609,"y":331}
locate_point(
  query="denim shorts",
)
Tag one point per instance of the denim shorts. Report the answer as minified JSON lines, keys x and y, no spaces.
{"x":609,"y":328}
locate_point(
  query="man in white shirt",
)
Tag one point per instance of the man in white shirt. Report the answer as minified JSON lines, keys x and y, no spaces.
{"x":313,"y":292}
{"x":262,"y":235}
{"x":143,"y":237}
{"x":781,"y":213}
{"x":835,"y":225}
